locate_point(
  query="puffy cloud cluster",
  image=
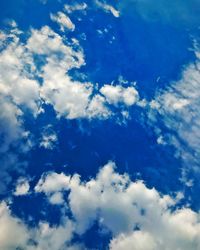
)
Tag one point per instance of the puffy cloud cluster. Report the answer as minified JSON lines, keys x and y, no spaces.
{"x":18,"y":89}
{"x":34,"y":70}
{"x":15,"y":234}
{"x":138,"y":217}
{"x":177,"y":107}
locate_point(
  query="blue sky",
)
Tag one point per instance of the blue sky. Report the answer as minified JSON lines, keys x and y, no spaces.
{"x":99,"y":125}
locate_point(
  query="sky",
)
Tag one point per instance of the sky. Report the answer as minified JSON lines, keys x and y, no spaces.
{"x":99,"y":124}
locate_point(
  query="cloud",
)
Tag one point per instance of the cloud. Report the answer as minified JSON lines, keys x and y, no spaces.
{"x":108,"y":8}
{"x":52,"y":182}
{"x":75,"y":7}
{"x":34,"y":70}
{"x":14,"y":233}
{"x":49,"y":138}
{"x":17,"y":87}
{"x":130,"y":210}
{"x":118,"y":94}
{"x":22,"y":187}
{"x":63,"y":21}
{"x":19,"y":95}
{"x":135,"y":241}
{"x":39,"y":68}
{"x":177,"y":108}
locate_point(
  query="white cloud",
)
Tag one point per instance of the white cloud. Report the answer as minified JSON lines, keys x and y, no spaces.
{"x":131,"y":211}
{"x":52,"y":182}
{"x":70,"y":99}
{"x":22,"y":187}
{"x":135,"y":241}
{"x":177,"y":107}
{"x":17,"y":87}
{"x":118,"y":94}
{"x":63,"y":21}
{"x":108,"y":8}
{"x":49,"y":138}
{"x":34,"y":70}
{"x":75,"y":7}
{"x":138,"y":217}
{"x":97,"y":107}
{"x":53,"y":237}
{"x":13,"y":232}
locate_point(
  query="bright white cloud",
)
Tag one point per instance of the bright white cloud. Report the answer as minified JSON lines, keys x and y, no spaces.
{"x":130,"y":211}
{"x":63,"y":21}
{"x":55,"y":57}
{"x":14,"y":233}
{"x":135,"y":241}
{"x":17,"y":88}
{"x":52,"y":182}
{"x":118,"y":94}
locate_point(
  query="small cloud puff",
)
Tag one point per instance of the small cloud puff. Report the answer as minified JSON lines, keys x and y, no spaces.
{"x":22,"y":187}
{"x":63,"y":20}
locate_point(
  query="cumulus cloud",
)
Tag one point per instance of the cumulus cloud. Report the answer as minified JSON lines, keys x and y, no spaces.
{"x":17,"y":87}
{"x":52,"y":182}
{"x":19,"y":94}
{"x":71,"y":99}
{"x":135,"y":241}
{"x":14,"y":233}
{"x":63,"y":21}
{"x":118,"y":94}
{"x":55,"y":57}
{"x":130,"y":210}
{"x":34,"y":71}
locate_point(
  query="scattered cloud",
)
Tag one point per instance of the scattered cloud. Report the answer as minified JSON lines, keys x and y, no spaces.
{"x":34,"y":71}
{"x":75,"y":7}
{"x":63,"y":21}
{"x":22,"y":187}
{"x":130,"y":210}
{"x":14,"y":233}
{"x":49,"y":138}
{"x":107,"y":8}
{"x":177,"y":107}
